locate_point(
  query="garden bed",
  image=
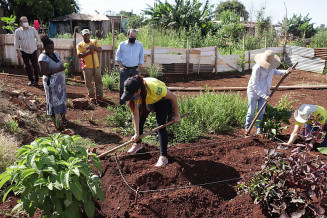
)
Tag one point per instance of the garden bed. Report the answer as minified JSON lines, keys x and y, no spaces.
{"x":216,"y":159}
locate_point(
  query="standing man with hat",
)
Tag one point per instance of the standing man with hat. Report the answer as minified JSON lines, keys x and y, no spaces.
{"x":130,"y":58}
{"x":259,"y":85}
{"x":91,"y":65}
{"x":309,"y":114}
{"x":26,"y":39}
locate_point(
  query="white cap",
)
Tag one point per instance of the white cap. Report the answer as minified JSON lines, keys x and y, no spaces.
{"x":302,"y":114}
{"x":85,"y":31}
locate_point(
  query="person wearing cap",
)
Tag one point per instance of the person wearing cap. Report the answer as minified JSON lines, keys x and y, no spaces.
{"x":130,"y":58}
{"x":258,"y":89}
{"x":144,"y":95}
{"x":84,"y":51}
{"x":308,"y":114}
{"x":26,"y":39}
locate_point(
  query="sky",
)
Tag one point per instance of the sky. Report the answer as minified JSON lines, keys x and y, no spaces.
{"x":274,"y":8}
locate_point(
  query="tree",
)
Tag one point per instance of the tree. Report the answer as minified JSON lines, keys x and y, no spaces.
{"x":42,"y":10}
{"x":182,"y":14}
{"x":300,"y":26}
{"x":263,"y":22}
{"x":234,"y":6}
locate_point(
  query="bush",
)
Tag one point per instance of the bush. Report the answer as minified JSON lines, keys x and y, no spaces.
{"x":210,"y":113}
{"x":8,"y":150}
{"x":289,"y":187}
{"x":70,"y":66}
{"x":55,"y":176}
{"x":153,"y":71}
{"x":276,"y":116}
{"x":111,"y":79}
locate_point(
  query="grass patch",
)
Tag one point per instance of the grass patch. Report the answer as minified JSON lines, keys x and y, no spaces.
{"x":211,"y":113}
{"x":111,"y":80}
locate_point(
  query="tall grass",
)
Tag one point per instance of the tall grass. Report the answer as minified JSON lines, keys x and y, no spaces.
{"x":211,"y":113}
{"x":8,"y":150}
{"x":320,"y":39}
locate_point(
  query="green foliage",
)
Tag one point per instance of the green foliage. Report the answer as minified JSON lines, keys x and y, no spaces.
{"x":276,"y":116}
{"x":135,"y":21}
{"x":210,"y":113}
{"x":319,"y":40}
{"x":70,"y":66}
{"x":234,"y":6}
{"x":39,"y":9}
{"x":230,"y":26}
{"x":300,"y":26}
{"x":12,"y":126}
{"x":263,"y":22}
{"x":289,"y":187}
{"x":181,"y":15}
{"x":10,"y":23}
{"x":241,"y":62}
{"x":111,"y":79}
{"x":55,"y":176}
{"x":153,"y":71}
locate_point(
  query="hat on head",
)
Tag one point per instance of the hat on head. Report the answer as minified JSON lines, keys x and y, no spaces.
{"x":131,"y":85}
{"x":85,"y":31}
{"x":267,"y":60}
{"x":302,"y":114}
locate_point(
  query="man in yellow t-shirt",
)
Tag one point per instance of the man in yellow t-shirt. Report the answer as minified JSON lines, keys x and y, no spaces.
{"x":309,"y":114}
{"x":84,"y":51}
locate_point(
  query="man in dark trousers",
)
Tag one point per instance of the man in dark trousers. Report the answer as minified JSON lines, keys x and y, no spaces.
{"x":130,"y":58}
{"x":26,"y":39}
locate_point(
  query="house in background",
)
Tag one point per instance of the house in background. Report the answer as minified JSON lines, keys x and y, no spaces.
{"x":100,"y":25}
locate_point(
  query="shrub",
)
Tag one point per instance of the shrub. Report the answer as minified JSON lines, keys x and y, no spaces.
{"x":276,"y":116}
{"x":153,"y":71}
{"x":12,"y":126}
{"x":210,"y":113}
{"x":70,"y":66}
{"x":55,"y":176}
{"x":111,"y":79}
{"x":8,"y":150}
{"x":289,"y":187}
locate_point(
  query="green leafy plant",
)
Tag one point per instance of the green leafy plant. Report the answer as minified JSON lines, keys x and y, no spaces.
{"x":57,"y":122}
{"x":153,"y":71}
{"x":276,"y":116}
{"x":10,"y":23}
{"x":111,"y":79}
{"x":12,"y":126}
{"x":70,"y":66}
{"x":289,"y":187}
{"x":55,"y":176}
{"x":241,"y":62}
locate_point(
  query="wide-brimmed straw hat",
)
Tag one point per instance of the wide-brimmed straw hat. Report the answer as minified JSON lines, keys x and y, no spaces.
{"x":267,"y":60}
{"x":302,"y":114}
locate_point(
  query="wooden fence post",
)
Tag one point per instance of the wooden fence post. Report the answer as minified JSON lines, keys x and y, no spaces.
{"x":249,"y":59}
{"x":74,"y":50}
{"x":152,"y":51}
{"x":113,"y":42}
{"x":266,"y":41}
{"x":216,"y":59}
{"x":244,"y":42}
{"x":187,"y":56}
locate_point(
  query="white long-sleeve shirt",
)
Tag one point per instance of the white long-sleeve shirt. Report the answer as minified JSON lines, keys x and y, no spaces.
{"x":260,"y":81}
{"x":26,"y":40}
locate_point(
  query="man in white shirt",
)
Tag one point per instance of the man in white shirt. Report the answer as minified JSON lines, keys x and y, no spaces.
{"x":258,"y":90}
{"x":26,"y":39}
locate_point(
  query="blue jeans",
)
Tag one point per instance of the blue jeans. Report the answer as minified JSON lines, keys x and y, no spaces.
{"x":309,"y":129}
{"x":252,"y":105}
{"x":124,"y":74}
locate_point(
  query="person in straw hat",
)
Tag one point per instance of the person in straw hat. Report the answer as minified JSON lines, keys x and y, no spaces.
{"x":308,"y":114}
{"x":259,"y":85}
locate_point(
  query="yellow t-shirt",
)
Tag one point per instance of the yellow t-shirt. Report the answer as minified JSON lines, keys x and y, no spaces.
{"x":87,"y":60}
{"x":158,"y":90}
{"x":320,"y":115}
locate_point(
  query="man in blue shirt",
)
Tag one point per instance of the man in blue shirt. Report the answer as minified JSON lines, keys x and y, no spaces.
{"x":130,"y":58}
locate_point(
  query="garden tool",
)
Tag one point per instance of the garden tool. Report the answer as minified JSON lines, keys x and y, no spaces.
{"x":271,"y":94}
{"x":141,"y":136}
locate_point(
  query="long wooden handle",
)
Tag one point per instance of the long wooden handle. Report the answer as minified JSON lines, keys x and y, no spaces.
{"x":141,"y":136}
{"x":273,"y":91}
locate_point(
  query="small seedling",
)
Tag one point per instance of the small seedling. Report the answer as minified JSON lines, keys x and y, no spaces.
{"x":12,"y":126}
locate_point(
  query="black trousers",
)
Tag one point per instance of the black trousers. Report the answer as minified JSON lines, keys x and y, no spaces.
{"x":164,"y":113}
{"x":33,"y":58}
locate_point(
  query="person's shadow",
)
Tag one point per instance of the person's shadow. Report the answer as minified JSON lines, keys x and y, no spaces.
{"x":206,"y":171}
{"x":99,"y":136}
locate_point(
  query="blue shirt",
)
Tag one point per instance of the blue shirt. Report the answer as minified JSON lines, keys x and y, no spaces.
{"x":130,"y":55}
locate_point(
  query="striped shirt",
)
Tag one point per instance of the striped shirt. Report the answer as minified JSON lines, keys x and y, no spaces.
{"x":26,"y":40}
